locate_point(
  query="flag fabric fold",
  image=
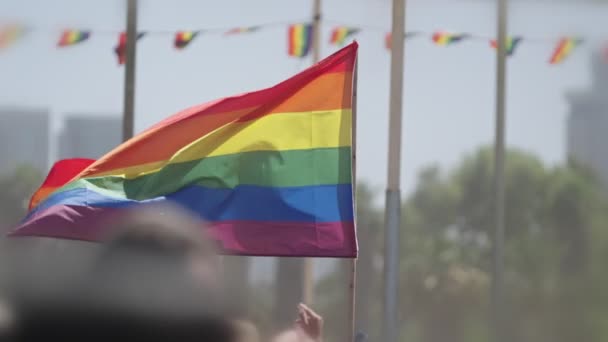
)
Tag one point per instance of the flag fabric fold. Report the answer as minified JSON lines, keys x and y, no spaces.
{"x":445,"y":38}
{"x":9,"y":34}
{"x":121,"y":48}
{"x":564,"y":48}
{"x":61,"y":173}
{"x":270,"y":171}
{"x":341,"y":33}
{"x":299,"y":40}
{"x":183,"y":38}
{"x":511,"y":44}
{"x":72,"y":37}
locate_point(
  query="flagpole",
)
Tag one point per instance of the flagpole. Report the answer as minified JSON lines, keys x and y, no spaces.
{"x":308,"y":285}
{"x":393,"y":192}
{"x":352,"y":265}
{"x":129,"y":90}
{"x":497,"y":300}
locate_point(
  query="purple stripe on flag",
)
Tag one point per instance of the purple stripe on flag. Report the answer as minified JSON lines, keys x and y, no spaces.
{"x":328,"y":239}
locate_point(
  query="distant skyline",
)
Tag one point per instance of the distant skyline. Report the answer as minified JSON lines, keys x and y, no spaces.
{"x":448,"y":96}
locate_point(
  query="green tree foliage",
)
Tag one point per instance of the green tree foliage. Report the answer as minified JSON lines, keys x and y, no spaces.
{"x":556,"y":242}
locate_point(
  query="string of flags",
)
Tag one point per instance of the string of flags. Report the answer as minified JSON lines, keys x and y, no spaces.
{"x":299,"y":39}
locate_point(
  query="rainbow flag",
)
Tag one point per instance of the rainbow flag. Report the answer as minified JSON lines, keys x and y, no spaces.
{"x":445,"y":38}
{"x":239,"y":30}
{"x":299,"y":40}
{"x":564,"y":48}
{"x":339,"y":34}
{"x":512,"y":43}
{"x":72,"y":37}
{"x":183,"y":38}
{"x":270,"y":170}
{"x":9,"y":34}
{"x":121,"y":48}
{"x":62,"y":172}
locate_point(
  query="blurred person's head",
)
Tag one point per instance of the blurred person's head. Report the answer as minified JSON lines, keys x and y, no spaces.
{"x":245,"y":331}
{"x":6,"y":321}
{"x":164,"y":234}
{"x":153,"y":281}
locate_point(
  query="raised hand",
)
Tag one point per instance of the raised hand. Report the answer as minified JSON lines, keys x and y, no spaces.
{"x":309,"y":323}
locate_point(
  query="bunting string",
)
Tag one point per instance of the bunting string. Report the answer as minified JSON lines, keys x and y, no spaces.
{"x":299,"y":38}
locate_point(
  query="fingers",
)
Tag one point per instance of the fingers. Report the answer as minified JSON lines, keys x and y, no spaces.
{"x":303,"y":314}
{"x":308,"y":312}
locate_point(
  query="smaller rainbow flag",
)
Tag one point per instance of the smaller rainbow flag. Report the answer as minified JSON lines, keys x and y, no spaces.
{"x":512,"y":43}
{"x":445,"y":38}
{"x":239,"y":30}
{"x":388,"y":43}
{"x":72,"y":37}
{"x":564,"y":48}
{"x":121,"y":48}
{"x":9,"y":34}
{"x":183,"y":38}
{"x":300,"y":40}
{"x":339,"y":34}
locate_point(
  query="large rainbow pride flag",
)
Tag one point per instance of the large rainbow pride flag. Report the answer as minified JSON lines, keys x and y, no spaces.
{"x":270,"y":171}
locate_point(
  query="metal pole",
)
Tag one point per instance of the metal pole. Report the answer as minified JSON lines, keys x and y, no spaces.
{"x":129,"y":95}
{"x":393,"y":192}
{"x":316,"y":31}
{"x":308,"y":277}
{"x":352,"y":281}
{"x":499,"y":176}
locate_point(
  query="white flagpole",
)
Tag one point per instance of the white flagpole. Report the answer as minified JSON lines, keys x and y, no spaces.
{"x":393,"y":192}
{"x":129,"y":91}
{"x":497,"y":299}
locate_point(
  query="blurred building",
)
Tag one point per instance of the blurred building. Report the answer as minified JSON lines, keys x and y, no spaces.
{"x":24,"y":138}
{"x":587,"y":125}
{"x":89,"y":136}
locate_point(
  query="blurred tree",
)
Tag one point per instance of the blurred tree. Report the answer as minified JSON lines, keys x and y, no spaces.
{"x":555,"y":247}
{"x":17,"y":188}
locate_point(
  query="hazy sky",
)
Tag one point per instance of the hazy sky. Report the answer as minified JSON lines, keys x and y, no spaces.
{"x":449,"y":92}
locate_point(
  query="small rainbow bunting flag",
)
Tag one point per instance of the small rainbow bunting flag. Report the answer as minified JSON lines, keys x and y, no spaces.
{"x":444,"y":38}
{"x":72,"y":37}
{"x":564,"y":48}
{"x":9,"y":34}
{"x":239,"y":30}
{"x":121,"y":48}
{"x":300,"y":40}
{"x":512,"y":43}
{"x":339,"y":34}
{"x":270,"y":171}
{"x":183,"y":38}
{"x":388,"y":41}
